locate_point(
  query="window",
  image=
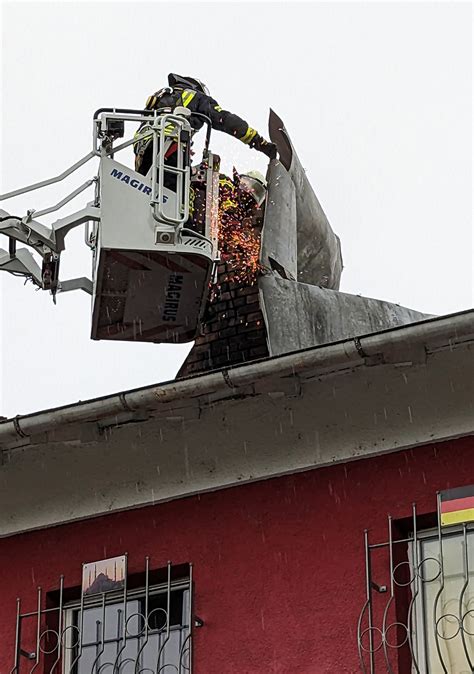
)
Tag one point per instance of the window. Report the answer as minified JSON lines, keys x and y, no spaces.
{"x":116,"y":636}
{"x":418,"y":617}
{"x":145,"y":626}
{"x":447,"y":636}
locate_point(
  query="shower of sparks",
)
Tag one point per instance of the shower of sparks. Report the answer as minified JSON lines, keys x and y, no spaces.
{"x":239,"y":240}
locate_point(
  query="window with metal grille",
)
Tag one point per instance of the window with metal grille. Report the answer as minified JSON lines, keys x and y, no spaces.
{"x":144,"y":627}
{"x":145,"y":632}
{"x":419,"y":611}
{"x":444,"y":611}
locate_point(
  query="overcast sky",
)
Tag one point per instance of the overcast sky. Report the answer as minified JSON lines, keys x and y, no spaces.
{"x":377,"y":98}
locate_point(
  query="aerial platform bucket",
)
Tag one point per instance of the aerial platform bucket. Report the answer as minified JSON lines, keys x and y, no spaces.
{"x":152,"y":254}
{"x":151,"y":278}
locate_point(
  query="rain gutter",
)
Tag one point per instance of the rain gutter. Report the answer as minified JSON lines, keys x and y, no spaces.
{"x":388,"y":346}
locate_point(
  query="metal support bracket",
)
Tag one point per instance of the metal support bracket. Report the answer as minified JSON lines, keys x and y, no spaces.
{"x":80,"y":283}
{"x":28,"y":655}
{"x":63,"y":226}
{"x":48,"y":243}
{"x":27,"y":231}
{"x":22,"y":263}
{"x":381,"y":589}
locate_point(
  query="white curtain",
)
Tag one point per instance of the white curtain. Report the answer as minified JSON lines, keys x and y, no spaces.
{"x":451,"y":627}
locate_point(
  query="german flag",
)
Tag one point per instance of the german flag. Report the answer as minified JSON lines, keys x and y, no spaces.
{"x":457,"y":506}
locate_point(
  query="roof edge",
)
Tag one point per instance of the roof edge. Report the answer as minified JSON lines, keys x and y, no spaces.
{"x":434,"y":332}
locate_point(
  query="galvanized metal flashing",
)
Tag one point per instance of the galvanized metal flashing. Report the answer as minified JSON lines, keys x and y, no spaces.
{"x":317,"y":247}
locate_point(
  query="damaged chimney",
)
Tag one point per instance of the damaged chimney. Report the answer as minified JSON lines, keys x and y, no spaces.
{"x":233,"y":328}
{"x":278,"y":282}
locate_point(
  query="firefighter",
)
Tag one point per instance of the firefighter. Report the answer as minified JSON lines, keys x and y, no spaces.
{"x":240,"y":202}
{"x":240,"y":197}
{"x":190,"y":93}
{"x":254,"y":185}
{"x":240,"y":218}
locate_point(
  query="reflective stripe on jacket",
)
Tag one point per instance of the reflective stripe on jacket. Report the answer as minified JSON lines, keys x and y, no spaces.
{"x":221,"y":120}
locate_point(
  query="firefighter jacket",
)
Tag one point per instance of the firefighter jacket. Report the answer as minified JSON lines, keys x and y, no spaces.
{"x":221,"y":120}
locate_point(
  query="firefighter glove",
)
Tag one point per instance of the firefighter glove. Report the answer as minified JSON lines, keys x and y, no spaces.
{"x":264,"y":146}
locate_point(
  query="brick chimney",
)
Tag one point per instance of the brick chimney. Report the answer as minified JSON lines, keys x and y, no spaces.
{"x":233,"y":328}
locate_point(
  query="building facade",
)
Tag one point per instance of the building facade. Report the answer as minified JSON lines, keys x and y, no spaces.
{"x":279,"y":516}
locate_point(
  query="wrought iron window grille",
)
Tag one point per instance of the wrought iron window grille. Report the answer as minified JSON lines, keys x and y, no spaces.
{"x":418,"y":617}
{"x":134,"y":630}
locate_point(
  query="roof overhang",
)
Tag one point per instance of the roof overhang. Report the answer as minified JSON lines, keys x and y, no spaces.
{"x":338,"y":402}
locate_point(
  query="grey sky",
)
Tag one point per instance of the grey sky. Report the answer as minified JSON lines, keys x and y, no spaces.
{"x":376,"y":96}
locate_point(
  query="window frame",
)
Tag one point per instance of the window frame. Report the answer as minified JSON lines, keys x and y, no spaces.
{"x":420,"y":622}
{"x":117,"y":597}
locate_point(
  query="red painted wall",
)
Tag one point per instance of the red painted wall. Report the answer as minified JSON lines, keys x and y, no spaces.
{"x":278,"y":565}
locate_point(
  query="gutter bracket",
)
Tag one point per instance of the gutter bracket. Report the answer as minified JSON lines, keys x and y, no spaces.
{"x":16,"y":424}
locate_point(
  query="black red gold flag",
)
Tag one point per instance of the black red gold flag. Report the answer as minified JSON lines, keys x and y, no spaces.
{"x":457,"y":505}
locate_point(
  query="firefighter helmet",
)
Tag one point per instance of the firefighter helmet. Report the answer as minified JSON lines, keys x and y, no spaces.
{"x":254,"y":183}
{"x":185,"y":82}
